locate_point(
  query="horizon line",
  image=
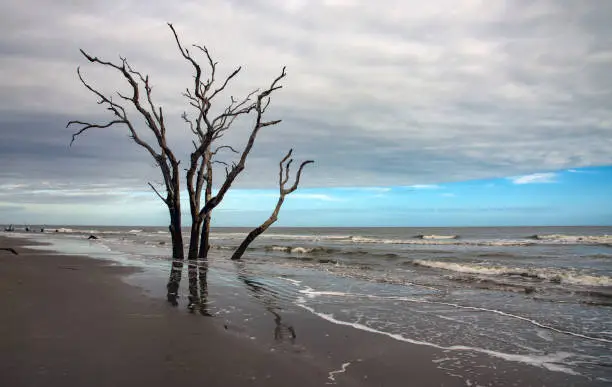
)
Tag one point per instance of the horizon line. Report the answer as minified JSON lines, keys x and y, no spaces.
{"x":271,"y":227}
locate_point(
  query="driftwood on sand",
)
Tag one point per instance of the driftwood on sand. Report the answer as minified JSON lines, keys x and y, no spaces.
{"x":10,"y":249}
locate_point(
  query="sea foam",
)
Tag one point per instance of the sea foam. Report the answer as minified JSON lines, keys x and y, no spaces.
{"x":550,"y":361}
{"x":561,"y":238}
{"x":549,"y":274}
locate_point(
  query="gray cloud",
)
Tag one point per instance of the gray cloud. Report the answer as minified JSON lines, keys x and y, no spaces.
{"x":394,"y":94}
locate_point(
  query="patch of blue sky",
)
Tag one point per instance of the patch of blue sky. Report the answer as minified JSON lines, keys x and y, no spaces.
{"x":567,"y":197}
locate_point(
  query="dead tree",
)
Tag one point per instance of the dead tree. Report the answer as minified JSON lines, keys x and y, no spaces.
{"x":208,"y":130}
{"x":283,"y":178}
{"x":164,"y":157}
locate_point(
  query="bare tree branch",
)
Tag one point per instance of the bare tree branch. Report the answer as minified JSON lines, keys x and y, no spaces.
{"x":187,"y":56}
{"x":162,"y":154}
{"x":158,"y":194}
{"x":239,"y":167}
{"x":118,"y":111}
{"x":298,"y":176}
{"x":87,"y":126}
{"x":149,"y":117}
{"x":269,"y":123}
{"x":224,"y":147}
{"x":283,"y":171}
{"x":229,"y":78}
{"x":207,"y":128}
{"x":281,"y":181}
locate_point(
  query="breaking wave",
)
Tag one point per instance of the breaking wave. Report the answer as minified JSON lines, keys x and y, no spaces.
{"x":445,"y":241}
{"x":417,"y":240}
{"x":64,"y":230}
{"x":288,"y":237}
{"x":544,"y":274}
{"x":300,"y":250}
{"x":437,"y":237}
{"x":454,"y":240}
{"x":572,"y":239}
{"x":221,"y":247}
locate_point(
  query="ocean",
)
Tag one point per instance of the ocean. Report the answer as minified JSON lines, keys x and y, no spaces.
{"x":531,"y":295}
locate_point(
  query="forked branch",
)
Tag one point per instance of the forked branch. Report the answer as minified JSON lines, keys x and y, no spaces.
{"x":153,"y":116}
{"x":283,"y":191}
{"x":237,"y":168}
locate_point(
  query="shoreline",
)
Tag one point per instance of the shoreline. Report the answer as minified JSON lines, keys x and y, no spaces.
{"x":322,"y":352}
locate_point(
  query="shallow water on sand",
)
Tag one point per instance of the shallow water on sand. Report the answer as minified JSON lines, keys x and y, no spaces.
{"x":539,"y":296}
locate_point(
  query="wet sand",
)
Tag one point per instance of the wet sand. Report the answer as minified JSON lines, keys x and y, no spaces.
{"x":73,"y":321}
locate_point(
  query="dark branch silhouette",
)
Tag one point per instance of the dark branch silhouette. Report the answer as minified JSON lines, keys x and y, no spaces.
{"x":283,"y":178}
{"x":161,"y":152}
{"x":208,"y":129}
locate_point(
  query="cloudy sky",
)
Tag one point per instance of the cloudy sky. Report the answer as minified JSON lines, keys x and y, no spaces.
{"x":388,"y":97}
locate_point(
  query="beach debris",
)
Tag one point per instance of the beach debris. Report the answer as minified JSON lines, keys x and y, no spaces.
{"x":10,"y":228}
{"x":92,"y":237}
{"x":10,"y":249}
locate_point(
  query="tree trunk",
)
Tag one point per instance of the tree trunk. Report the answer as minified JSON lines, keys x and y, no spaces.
{"x":207,"y":129}
{"x":178,"y":255}
{"x":283,"y":177}
{"x":203,"y":266}
{"x":259,"y":230}
{"x":205,"y":238}
{"x":247,"y":241}
{"x":194,"y":298}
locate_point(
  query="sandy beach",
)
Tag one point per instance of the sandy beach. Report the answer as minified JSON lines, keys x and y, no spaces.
{"x":73,"y":321}
{"x":306,"y":193}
